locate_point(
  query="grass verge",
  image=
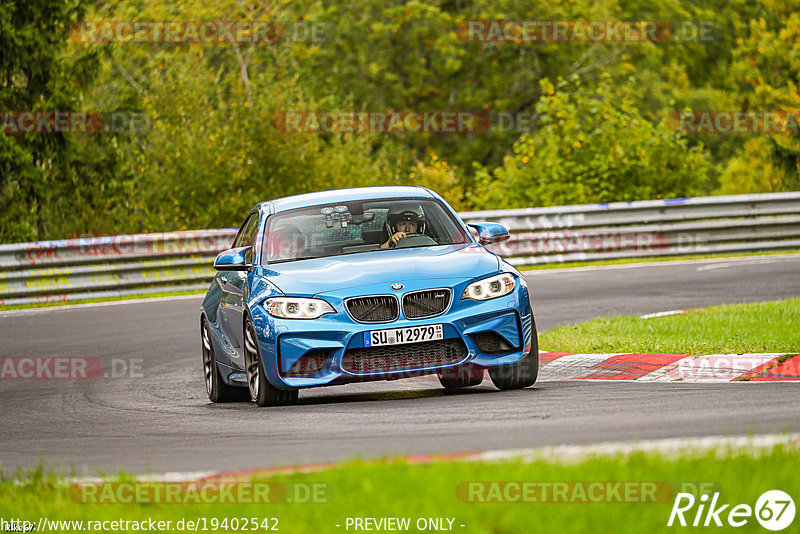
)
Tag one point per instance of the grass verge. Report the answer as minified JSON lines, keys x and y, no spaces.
{"x":439,"y":490}
{"x":725,"y":329}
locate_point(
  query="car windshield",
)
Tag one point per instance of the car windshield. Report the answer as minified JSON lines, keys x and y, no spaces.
{"x":359,"y":226}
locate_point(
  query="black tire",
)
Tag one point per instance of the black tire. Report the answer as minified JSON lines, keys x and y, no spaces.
{"x":521,"y":374}
{"x":462,"y":376}
{"x":261,"y":391}
{"x":217,"y":390}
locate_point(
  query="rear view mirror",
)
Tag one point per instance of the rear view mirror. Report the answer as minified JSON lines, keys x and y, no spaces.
{"x":233,"y":259}
{"x":490,"y":232}
{"x":365,"y":217}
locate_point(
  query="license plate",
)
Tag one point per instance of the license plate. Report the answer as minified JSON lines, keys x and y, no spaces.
{"x":401,"y":336}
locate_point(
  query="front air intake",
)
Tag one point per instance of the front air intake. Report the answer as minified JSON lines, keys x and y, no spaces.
{"x":414,"y":356}
{"x":491,"y":343}
{"x":373,"y":309}
{"x":427,"y":303}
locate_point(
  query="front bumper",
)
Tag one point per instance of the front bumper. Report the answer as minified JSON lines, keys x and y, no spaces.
{"x":319,"y":352}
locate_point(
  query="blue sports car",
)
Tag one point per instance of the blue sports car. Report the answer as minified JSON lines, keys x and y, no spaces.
{"x":374,"y":283}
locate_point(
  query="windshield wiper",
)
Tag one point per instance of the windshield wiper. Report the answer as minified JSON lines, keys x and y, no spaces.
{"x":287,"y":260}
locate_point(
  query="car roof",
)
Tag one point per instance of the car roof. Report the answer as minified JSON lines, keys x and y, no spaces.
{"x":345,"y":195}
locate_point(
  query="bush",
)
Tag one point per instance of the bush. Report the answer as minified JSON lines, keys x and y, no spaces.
{"x":592,"y":146}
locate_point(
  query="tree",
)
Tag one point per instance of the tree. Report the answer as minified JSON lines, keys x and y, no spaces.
{"x":766,"y":71}
{"x":593,"y":146}
{"x":40,"y":174}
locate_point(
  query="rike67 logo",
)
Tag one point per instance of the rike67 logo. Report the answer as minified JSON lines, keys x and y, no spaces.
{"x":774,"y":510}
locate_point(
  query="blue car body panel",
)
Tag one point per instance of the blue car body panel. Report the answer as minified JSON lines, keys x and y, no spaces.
{"x":233,"y":295}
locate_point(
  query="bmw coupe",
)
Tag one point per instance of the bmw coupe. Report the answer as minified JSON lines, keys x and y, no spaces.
{"x":377,"y":283}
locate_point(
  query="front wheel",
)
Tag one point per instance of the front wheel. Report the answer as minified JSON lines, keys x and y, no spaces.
{"x":521,"y":374}
{"x":261,"y":391}
{"x":217,"y":390}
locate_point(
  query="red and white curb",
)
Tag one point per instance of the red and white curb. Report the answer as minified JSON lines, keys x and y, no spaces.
{"x":649,"y":367}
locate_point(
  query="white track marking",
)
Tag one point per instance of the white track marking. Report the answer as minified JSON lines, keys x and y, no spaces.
{"x":661,"y":314}
{"x":710,"y":368}
{"x":572,"y":365}
{"x":728,"y":263}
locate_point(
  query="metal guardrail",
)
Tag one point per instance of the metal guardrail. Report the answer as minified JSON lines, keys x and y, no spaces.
{"x":651,"y":228}
{"x":112,"y":266}
{"x":149,"y":263}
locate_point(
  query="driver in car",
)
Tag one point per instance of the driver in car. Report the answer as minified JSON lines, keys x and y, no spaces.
{"x":401,"y":222}
{"x":287,"y":243}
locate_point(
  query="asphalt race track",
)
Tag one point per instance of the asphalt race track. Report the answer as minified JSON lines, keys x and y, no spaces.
{"x":163,"y":421}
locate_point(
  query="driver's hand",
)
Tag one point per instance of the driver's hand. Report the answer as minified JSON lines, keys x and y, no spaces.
{"x":396,"y":238}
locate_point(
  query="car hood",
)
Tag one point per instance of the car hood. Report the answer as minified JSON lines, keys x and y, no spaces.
{"x":353,"y":271}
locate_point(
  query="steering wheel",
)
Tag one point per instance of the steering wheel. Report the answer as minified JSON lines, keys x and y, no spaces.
{"x":415,"y":240}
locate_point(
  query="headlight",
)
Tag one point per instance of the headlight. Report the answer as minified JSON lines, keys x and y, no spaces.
{"x":490,"y":288}
{"x":297,"y":307}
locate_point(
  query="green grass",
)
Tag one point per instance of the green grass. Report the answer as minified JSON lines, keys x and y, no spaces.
{"x":397,"y":489}
{"x":626,"y":261}
{"x":103,"y":299}
{"x":729,"y":328}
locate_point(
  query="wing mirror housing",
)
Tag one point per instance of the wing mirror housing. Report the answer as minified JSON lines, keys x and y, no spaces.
{"x":489,"y":233}
{"x":234,"y":259}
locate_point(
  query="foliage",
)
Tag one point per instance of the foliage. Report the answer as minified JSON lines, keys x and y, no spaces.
{"x":40,"y":174}
{"x":212,"y":149}
{"x":437,"y":175}
{"x":766,"y":70}
{"x":593,"y":146}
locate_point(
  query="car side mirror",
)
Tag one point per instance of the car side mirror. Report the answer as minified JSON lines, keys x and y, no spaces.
{"x":490,"y":232}
{"x":233,"y":259}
